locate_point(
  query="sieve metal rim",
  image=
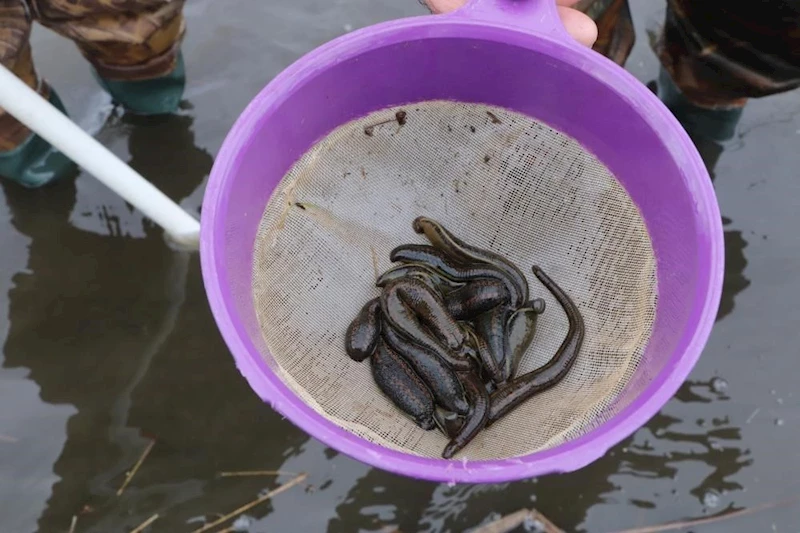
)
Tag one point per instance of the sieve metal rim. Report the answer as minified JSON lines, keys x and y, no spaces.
{"x":567,"y":457}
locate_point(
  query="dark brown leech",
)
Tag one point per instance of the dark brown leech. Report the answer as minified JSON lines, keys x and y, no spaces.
{"x":441,"y":238}
{"x":451,"y":268}
{"x":364,"y":331}
{"x":520,"y":330}
{"x":428,"y":282}
{"x":440,"y":379}
{"x":402,"y":386}
{"x":475,"y":298}
{"x":487,"y":360}
{"x":522,"y":388}
{"x":476,"y":419}
{"x":419,"y":271}
{"x":430,"y":310}
{"x":402,"y":318}
{"x":492,"y":327}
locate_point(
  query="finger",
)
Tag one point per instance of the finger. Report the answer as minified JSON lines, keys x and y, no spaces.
{"x":579,"y":25}
{"x":444,"y":6}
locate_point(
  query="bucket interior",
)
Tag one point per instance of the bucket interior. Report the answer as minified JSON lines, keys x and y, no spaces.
{"x":548,"y":165}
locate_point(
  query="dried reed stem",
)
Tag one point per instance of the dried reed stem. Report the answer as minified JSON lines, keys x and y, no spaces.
{"x":146,"y":523}
{"x":252,"y":504}
{"x":136,"y":467}
{"x":248,"y":473}
{"x":711,"y":519}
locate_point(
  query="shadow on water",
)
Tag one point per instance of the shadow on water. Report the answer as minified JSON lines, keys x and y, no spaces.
{"x":657,"y":454}
{"x":110,"y":328}
{"x":84,"y":325}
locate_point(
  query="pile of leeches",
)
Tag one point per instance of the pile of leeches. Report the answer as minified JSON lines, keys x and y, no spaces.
{"x":447,"y":333}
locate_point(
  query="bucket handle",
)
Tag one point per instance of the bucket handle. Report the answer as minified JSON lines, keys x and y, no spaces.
{"x":538,"y":17}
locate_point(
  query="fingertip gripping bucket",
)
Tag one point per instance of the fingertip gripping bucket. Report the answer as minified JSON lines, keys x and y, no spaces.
{"x":529,"y":142}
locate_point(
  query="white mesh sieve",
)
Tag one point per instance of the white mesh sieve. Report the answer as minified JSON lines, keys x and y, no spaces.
{"x":496,"y":179}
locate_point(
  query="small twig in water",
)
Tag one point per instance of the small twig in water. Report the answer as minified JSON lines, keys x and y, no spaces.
{"x":514,"y":520}
{"x":146,"y":523}
{"x":73,"y":524}
{"x":247,"y":473}
{"x":752,"y":415}
{"x":136,"y":467}
{"x":247,"y":507}
{"x":711,"y":519}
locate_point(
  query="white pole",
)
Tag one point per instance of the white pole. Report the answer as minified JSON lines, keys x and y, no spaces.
{"x":27,"y":106}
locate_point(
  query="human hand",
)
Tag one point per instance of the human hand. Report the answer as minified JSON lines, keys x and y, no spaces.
{"x":578,"y":24}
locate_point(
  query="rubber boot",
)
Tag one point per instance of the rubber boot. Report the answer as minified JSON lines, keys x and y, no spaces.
{"x":717,"y":125}
{"x":36,"y":162}
{"x":157,"y":96}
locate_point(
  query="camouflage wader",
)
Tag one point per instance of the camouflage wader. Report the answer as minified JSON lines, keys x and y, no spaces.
{"x":714,"y":55}
{"x":718,"y":53}
{"x":123,"y":40}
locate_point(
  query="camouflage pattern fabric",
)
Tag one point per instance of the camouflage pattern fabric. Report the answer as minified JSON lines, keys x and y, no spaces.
{"x":720,"y":53}
{"x":122,"y":39}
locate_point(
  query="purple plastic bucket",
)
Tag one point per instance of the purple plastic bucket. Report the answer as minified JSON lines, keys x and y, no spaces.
{"x":511,"y":54}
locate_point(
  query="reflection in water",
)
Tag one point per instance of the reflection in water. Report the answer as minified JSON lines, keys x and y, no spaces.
{"x":675,"y":449}
{"x":640,"y":472}
{"x":24,"y":489}
{"x":735,"y":263}
{"x":708,"y":442}
{"x":88,"y":324}
{"x":377,"y":495}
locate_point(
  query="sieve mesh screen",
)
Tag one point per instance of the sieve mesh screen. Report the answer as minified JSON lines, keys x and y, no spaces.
{"x":496,"y":179}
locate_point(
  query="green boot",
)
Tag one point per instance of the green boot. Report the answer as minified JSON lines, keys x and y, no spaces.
{"x":36,"y":162}
{"x":717,"y":125}
{"x":157,"y":96}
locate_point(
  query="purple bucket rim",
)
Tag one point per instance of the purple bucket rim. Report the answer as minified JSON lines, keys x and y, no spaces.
{"x":567,"y":457}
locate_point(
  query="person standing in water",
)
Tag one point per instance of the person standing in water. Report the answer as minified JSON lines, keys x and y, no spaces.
{"x":714,"y":55}
{"x":133,"y":47}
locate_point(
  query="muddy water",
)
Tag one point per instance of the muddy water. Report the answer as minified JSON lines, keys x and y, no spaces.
{"x":108,"y":341}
